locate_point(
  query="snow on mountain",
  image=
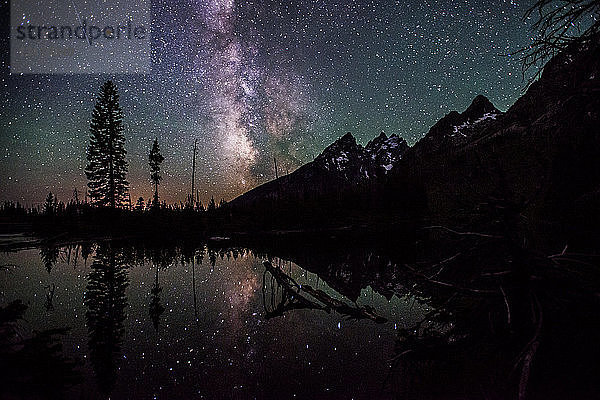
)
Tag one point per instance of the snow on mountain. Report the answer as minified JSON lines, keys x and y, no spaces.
{"x":356,"y":163}
{"x":386,"y":151}
{"x":342,"y":155}
{"x":456,"y":128}
{"x":459,"y":129}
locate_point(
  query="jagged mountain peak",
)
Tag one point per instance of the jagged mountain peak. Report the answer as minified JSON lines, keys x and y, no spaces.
{"x":343,"y":155}
{"x":356,"y":163}
{"x":456,"y":127}
{"x":348,"y":139}
{"x":346,"y":143}
{"x":384,"y":140}
{"x":398,"y":140}
{"x":386,"y":151}
{"x":480,"y":106}
{"x":377,"y":141}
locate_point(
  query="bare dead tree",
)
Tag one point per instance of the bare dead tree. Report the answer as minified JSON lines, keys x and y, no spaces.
{"x":191,"y":198}
{"x":558,"y":23}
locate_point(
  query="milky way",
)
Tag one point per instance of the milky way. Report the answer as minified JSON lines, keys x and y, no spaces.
{"x":253,"y":81}
{"x":251,"y":105}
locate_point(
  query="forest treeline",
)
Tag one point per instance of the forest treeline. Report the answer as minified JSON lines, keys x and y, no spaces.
{"x":107,"y":205}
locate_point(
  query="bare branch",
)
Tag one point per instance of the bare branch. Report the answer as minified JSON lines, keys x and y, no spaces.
{"x":558,"y":24}
{"x":485,"y":235}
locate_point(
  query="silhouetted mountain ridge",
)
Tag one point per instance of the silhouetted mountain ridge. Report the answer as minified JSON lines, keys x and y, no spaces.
{"x":457,"y":128}
{"x":344,"y":163}
{"x":530,"y":169}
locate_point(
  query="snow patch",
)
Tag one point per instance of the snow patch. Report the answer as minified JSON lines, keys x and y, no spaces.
{"x":458,"y":128}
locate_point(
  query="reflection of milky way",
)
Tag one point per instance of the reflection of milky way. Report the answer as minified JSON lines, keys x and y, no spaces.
{"x":240,"y":296}
{"x":253,"y":107}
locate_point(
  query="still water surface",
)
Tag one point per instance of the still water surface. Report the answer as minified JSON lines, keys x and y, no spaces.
{"x":206,"y":324}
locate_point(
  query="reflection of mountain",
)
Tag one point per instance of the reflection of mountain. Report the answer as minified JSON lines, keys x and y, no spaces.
{"x":106,"y":301}
{"x":286,"y":294}
{"x":502,"y":321}
{"x":347,"y":264}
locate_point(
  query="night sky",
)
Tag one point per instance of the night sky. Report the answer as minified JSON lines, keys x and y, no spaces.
{"x":253,"y":80}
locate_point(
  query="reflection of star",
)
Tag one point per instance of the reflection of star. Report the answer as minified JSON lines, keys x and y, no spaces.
{"x":241,"y":290}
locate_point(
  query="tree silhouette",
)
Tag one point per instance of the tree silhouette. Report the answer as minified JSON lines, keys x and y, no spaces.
{"x":49,"y":204}
{"x":49,"y":254}
{"x":139,"y":205}
{"x":559,"y":23}
{"x":107,"y":167}
{"x":156,"y":308}
{"x":106,"y":301}
{"x":155,"y":159}
{"x":212,"y":206}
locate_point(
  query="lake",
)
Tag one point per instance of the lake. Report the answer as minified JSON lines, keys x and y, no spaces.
{"x":157,"y":323}
{"x":309,"y":319}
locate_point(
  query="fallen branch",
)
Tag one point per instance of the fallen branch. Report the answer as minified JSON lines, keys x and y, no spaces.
{"x":485,"y":235}
{"x":443,"y":264}
{"x":506,"y":303}
{"x":446,"y":284}
{"x":328,"y":302}
{"x":526,"y":356}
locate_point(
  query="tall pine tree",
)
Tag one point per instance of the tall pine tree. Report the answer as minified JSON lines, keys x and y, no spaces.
{"x":155,"y":159}
{"x":107,"y":167}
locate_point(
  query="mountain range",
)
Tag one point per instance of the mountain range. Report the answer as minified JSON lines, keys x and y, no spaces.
{"x":537,"y":164}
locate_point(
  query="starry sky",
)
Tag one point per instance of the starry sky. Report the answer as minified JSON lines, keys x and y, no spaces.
{"x":254,"y":80}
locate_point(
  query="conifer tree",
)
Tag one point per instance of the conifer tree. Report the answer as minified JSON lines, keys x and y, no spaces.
{"x":49,"y":204}
{"x":107,"y":167}
{"x":212,"y":206}
{"x":139,"y":205}
{"x":155,"y":160}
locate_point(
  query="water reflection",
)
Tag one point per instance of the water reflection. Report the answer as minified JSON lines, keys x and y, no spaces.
{"x":280,"y":294}
{"x":49,"y":253}
{"x":156,"y":308}
{"x":286,"y":294}
{"x":50,"y":297}
{"x":106,"y":301}
{"x":32,"y":364}
{"x":315,"y":320}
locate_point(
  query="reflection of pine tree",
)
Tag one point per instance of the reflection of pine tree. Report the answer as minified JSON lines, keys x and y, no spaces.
{"x":49,"y":254}
{"x":212,"y":256}
{"x":106,"y":301}
{"x":156,"y":308}
{"x":87,"y":249}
